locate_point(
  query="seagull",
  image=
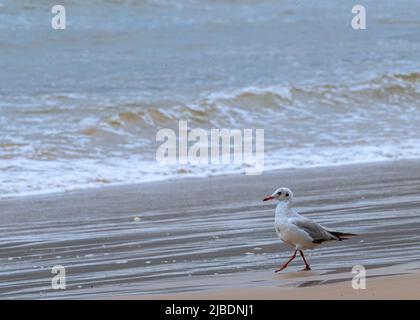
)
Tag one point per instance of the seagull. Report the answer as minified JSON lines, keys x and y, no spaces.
{"x":300,"y":232}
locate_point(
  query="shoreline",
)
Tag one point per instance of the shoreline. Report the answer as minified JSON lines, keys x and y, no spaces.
{"x":71,"y":190}
{"x":200,"y":235}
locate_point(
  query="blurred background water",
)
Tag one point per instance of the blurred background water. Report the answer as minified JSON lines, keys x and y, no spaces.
{"x":81,"y":107}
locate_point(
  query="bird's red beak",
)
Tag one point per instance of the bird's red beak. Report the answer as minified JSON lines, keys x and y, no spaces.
{"x":268,"y":198}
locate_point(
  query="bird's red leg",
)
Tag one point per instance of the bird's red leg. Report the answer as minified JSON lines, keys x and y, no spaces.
{"x":287,"y":263}
{"x":307,"y":267}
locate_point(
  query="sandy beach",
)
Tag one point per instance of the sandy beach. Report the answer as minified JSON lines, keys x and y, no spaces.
{"x":214,"y":237}
{"x":127,"y":127}
{"x":382,"y":283}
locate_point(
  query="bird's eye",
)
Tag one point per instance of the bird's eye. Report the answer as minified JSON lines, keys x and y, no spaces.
{"x":279,"y":193}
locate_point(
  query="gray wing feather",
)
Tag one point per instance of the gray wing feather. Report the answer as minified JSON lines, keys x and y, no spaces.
{"x":315,"y":231}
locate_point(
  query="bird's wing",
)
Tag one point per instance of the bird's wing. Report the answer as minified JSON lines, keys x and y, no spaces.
{"x":315,"y":231}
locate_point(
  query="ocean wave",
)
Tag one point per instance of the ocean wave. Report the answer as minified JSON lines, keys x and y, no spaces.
{"x":73,"y":141}
{"x":243,"y":106}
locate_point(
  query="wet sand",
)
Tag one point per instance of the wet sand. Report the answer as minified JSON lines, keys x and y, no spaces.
{"x":395,"y":282}
{"x":209,"y":235}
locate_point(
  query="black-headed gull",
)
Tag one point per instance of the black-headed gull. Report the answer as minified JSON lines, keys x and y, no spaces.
{"x":298,"y":231}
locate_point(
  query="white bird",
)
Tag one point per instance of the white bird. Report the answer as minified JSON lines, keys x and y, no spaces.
{"x":298,"y":231}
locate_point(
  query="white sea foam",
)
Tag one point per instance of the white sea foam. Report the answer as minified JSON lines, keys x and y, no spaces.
{"x":112,"y":144}
{"x":54,"y":177}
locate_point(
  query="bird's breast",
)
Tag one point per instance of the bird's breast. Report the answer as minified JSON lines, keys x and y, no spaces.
{"x":282,"y":230}
{"x":289,"y":234}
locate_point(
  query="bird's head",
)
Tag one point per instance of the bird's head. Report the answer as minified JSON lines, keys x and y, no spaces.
{"x":281,"y":194}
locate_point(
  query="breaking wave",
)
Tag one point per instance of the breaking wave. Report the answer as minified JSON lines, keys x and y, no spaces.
{"x":81,"y":140}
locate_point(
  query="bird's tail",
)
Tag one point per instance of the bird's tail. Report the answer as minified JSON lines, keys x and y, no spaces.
{"x":342,"y":235}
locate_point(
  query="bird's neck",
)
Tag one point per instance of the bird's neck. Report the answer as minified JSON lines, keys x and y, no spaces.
{"x":285,"y":204}
{"x":283,"y":209}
